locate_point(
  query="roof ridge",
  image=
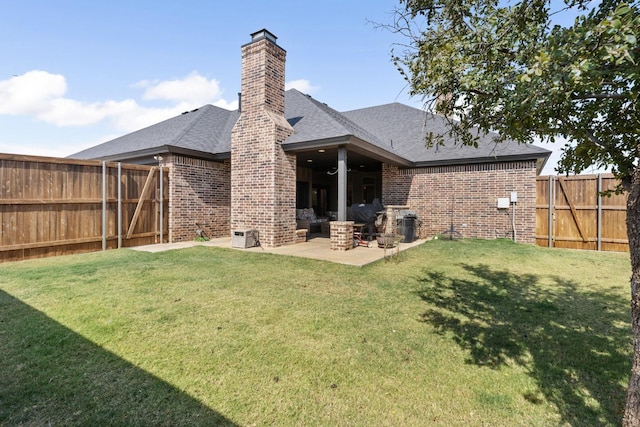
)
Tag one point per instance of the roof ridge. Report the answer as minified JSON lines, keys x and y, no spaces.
{"x":371,"y":107}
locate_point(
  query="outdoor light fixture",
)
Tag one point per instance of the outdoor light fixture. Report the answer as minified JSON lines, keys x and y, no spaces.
{"x":335,"y":171}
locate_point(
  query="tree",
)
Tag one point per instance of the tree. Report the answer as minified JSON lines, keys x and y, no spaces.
{"x":503,"y":67}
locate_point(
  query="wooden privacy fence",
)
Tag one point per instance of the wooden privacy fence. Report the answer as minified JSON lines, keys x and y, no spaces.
{"x":572,"y":213}
{"x":51,"y":206}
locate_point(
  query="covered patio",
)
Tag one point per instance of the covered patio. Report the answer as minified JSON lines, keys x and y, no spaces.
{"x":332,"y":176}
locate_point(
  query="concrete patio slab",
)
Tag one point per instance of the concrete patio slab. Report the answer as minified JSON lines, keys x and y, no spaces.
{"x":317,"y":247}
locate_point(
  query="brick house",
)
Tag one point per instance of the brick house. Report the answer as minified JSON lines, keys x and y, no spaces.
{"x":282,"y":150}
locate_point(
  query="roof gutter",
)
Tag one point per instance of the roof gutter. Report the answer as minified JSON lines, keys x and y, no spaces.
{"x":540,"y":158}
{"x":172,"y":149}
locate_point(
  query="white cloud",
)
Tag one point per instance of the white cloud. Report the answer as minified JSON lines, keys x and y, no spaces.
{"x":30,"y":93}
{"x":40,"y":94}
{"x":233,"y":105}
{"x":302,"y":85}
{"x":69,"y":112}
{"x":193,"y":89}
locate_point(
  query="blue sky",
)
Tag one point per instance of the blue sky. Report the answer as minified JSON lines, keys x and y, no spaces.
{"x":78,"y":73}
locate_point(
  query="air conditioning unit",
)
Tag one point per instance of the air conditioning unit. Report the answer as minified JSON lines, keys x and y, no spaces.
{"x":244,"y":239}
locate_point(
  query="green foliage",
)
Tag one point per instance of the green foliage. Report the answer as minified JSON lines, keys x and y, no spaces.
{"x":503,"y":67}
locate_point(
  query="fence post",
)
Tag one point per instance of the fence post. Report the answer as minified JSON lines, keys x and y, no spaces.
{"x":104,"y":205}
{"x":161,"y":202}
{"x":599,"y":225}
{"x":119,"y":205}
{"x":550,"y":219}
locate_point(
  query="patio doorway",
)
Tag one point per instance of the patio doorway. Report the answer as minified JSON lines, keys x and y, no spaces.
{"x":302,"y":195}
{"x":320,"y":200}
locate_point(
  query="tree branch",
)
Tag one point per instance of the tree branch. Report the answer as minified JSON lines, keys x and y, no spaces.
{"x":480,"y":92}
{"x":590,"y":136}
{"x":576,"y":96}
{"x":595,"y":141}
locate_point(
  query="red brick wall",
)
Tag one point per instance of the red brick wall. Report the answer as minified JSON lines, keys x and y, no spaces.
{"x":263,"y":176}
{"x":467,"y":194}
{"x":199,"y":198}
{"x":263,"y":68}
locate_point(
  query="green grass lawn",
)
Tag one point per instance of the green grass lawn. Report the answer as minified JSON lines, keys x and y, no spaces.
{"x":451,"y":333}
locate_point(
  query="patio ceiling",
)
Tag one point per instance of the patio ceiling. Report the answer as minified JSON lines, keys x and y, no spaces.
{"x":327,"y":160}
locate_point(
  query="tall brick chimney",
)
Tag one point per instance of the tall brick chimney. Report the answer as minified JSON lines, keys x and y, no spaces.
{"x":263,"y":176}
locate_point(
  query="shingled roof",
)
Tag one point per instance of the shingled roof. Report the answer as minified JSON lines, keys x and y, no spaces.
{"x":405,"y":129}
{"x":205,"y":132}
{"x":392,"y":131}
{"x":313,"y":120}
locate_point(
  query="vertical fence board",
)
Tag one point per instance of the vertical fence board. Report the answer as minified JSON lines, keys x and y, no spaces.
{"x":542,"y":212}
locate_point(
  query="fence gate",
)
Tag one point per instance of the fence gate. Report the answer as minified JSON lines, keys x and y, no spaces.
{"x":51,"y":206}
{"x":572,"y":213}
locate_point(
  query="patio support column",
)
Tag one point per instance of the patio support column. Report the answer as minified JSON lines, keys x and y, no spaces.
{"x":342,"y":184}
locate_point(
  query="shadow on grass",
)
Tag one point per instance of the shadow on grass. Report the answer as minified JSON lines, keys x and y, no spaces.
{"x":574,"y":343}
{"x":49,"y":375}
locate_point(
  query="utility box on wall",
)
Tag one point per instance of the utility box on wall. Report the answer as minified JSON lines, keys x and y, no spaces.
{"x":244,"y":239}
{"x":503,"y":203}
